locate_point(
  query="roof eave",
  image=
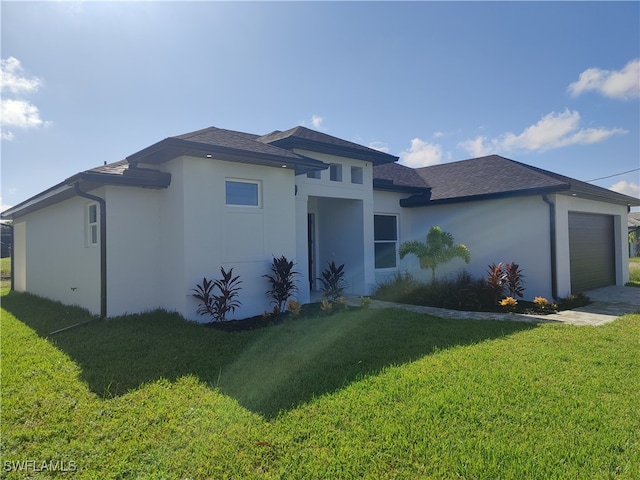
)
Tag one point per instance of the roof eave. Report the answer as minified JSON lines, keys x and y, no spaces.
{"x":171,"y":148}
{"x":375,"y":157}
{"x":421,"y":201}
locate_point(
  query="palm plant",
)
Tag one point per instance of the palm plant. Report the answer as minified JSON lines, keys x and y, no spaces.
{"x":437,"y":250}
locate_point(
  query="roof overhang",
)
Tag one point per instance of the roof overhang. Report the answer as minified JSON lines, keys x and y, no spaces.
{"x":375,"y":157}
{"x":171,"y":148}
{"x":132,"y":177}
{"x":422,"y":201}
{"x":390,"y":186}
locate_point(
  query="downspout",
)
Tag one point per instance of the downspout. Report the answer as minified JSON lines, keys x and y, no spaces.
{"x":552,"y":234}
{"x":13,"y":269}
{"x":103,"y":247}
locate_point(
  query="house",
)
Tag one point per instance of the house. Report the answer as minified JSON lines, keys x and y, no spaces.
{"x":140,"y":233}
{"x":633,"y":223}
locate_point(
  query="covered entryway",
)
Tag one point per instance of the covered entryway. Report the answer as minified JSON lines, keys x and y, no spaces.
{"x":591,"y":251}
{"x":335,"y":233}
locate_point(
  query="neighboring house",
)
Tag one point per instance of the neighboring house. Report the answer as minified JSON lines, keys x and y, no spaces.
{"x":6,"y":237}
{"x":633,"y":223}
{"x":139,"y":234}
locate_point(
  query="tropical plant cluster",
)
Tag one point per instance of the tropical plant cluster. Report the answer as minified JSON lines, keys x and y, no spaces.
{"x":219,"y":297}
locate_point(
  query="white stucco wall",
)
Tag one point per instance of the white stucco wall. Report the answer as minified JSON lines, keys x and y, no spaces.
{"x":134,"y":262}
{"x":566,"y":204}
{"x":503,"y":230}
{"x":52,"y":257}
{"x":238,"y":237}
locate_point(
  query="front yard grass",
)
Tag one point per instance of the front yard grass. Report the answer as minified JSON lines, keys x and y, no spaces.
{"x":364,"y":394}
{"x":634,"y":272}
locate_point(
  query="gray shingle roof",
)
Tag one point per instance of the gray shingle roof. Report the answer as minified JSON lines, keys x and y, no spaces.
{"x":390,"y":175}
{"x":495,"y":176}
{"x":484,"y":176}
{"x":305,"y":138}
{"x":247,"y":142}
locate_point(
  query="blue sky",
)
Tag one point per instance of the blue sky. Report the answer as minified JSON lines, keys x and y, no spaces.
{"x":551,"y":84}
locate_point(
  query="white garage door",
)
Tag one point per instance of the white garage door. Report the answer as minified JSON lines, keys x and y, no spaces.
{"x":591,"y":251}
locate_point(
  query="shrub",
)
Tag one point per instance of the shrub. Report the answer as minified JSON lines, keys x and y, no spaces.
{"x":513,"y":279}
{"x":326,"y":306}
{"x":403,"y":288}
{"x":282,"y":280}
{"x":218,"y":305}
{"x":496,"y":279}
{"x":294,"y":307}
{"x":333,"y":282}
{"x":365,"y":302}
{"x":509,"y":303}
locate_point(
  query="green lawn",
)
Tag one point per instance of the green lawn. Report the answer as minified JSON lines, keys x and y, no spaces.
{"x":634,"y":271}
{"x":5,"y":267}
{"x":363,"y":394}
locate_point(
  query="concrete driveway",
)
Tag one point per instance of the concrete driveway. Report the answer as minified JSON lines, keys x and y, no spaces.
{"x":608,"y":303}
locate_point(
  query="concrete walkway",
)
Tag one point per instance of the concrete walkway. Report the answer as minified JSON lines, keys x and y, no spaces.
{"x":608,"y":303}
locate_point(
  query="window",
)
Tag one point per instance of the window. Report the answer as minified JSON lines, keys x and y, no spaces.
{"x":385,"y":233}
{"x":242,"y":192}
{"x":356,"y":175}
{"x":315,"y":174}
{"x":92,"y":224}
{"x":335,"y":172}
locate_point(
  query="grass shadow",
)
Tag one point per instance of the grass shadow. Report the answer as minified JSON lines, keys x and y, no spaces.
{"x":265,"y":370}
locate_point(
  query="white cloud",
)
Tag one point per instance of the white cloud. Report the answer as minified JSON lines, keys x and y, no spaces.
{"x":554,"y":130}
{"x":6,"y":135}
{"x":628,"y":188}
{"x":621,"y":84}
{"x":421,"y":154}
{"x":20,"y":113}
{"x":16,"y":112}
{"x":476,"y":147}
{"x":316,"y":121}
{"x":380,"y":146}
{"x":12,"y":77}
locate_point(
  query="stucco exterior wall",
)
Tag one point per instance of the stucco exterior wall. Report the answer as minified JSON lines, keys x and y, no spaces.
{"x":53,"y":259}
{"x":134,"y":263}
{"x":244,"y":238}
{"x":566,"y":204}
{"x":503,"y":230}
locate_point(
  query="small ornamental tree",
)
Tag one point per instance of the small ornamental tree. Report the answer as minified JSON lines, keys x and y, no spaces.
{"x":437,"y":250}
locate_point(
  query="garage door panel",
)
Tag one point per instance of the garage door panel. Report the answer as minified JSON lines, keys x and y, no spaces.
{"x":591,"y":250}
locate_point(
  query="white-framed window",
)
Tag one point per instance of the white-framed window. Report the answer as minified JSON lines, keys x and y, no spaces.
{"x":316,"y":174}
{"x":356,"y":175}
{"x":91,"y":233}
{"x":335,"y":172}
{"x":245,"y":193}
{"x":385,"y":235}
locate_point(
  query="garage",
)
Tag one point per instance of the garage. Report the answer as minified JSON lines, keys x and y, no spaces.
{"x":591,"y":251}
